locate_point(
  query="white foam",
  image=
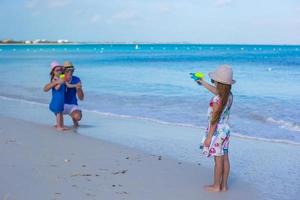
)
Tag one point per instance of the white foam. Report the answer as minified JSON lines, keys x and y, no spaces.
{"x":265,"y":139}
{"x":23,"y":101}
{"x":142,"y":119}
{"x":191,"y":126}
{"x":284,"y":124}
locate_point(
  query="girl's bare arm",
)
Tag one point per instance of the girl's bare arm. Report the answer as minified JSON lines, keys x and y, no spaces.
{"x":50,"y":85}
{"x":208,"y":86}
{"x":212,"y":127}
{"x":70,"y":85}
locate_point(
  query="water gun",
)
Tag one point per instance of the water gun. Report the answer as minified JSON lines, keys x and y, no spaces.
{"x":62,"y":76}
{"x":197,"y":76}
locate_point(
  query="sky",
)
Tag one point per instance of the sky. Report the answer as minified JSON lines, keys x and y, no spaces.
{"x":159,"y":21}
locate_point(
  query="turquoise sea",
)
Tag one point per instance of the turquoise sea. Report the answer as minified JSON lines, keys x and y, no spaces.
{"x":152,"y":81}
{"x":134,"y":84}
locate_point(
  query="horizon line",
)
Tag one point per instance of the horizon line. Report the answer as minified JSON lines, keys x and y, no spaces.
{"x":153,"y":43}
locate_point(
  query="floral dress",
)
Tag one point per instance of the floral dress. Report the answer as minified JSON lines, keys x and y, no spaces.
{"x":220,"y":139}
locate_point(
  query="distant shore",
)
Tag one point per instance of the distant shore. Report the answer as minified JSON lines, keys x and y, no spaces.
{"x":141,"y":43}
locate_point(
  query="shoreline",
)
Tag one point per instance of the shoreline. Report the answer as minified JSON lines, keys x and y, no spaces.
{"x":156,"y":121}
{"x":39,"y":162}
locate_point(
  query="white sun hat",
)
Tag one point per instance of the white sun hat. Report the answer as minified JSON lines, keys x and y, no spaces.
{"x":223,"y":74}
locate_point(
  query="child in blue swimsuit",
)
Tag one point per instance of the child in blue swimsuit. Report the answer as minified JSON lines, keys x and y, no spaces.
{"x":58,"y":95}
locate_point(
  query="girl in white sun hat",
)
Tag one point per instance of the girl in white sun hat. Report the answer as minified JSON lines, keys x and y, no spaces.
{"x":216,"y":140}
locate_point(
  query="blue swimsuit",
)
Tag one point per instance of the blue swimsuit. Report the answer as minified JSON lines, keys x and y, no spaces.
{"x":58,"y":97}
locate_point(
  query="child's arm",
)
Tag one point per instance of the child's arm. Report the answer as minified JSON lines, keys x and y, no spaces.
{"x":57,"y":86}
{"x":212,"y":127}
{"x":52,"y":84}
{"x":209,"y":87}
{"x":59,"y":82}
{"x":70,"y":85}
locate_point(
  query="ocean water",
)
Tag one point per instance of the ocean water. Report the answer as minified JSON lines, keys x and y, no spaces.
{"x":152,"y":81}
{"x":135,"y":84}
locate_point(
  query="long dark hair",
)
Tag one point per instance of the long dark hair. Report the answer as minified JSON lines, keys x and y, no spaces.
{"x":224,"y":91}
{"x":52,"y":74}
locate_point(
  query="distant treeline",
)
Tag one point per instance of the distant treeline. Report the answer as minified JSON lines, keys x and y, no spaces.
{"x":9,"y":41}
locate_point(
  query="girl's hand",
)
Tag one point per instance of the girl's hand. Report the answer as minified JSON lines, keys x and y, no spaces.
{"x":207,"y":142}
{"x":200,"y":81}
{"x":58,"y":80}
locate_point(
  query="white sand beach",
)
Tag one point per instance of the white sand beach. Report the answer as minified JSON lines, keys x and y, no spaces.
{"x":38,"y":162}
{"x":33,"y":158}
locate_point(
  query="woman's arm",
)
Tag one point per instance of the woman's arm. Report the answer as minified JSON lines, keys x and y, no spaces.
{"x":209,"y":87}
{"x":80,"y":93}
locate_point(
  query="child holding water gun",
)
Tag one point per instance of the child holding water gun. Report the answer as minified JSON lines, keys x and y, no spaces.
{"x":216,"y":140}
{"x":58,"y":86}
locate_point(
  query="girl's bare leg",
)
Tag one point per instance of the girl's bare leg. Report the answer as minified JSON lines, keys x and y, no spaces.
{"x":60,"y":122}
{"x":226,"y":169}
{"x":218,"y":171}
